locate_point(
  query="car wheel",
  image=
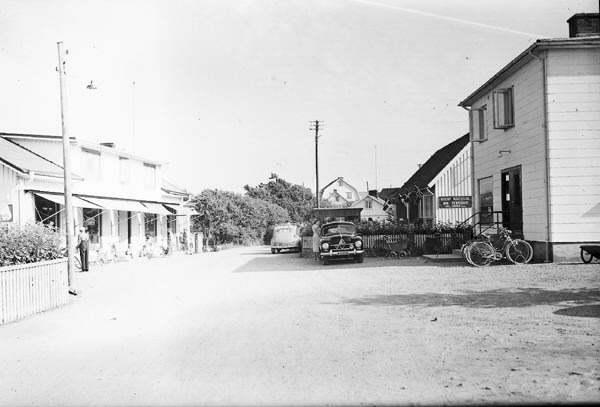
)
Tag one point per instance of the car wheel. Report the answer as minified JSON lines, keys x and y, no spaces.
{"x":324,"y":261}
{"x":360,"y":259}
{"x":273,"y":251}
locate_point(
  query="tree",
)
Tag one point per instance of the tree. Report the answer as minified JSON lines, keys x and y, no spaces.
{"x":228,"y":217}
{"x":297,"y":200}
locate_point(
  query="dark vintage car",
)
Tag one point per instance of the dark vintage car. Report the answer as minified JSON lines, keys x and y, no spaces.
{"x":340,"y":241}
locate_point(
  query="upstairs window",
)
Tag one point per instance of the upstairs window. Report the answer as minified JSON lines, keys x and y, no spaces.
{"x":125,"y":170}
{"x":91,"y":164}
{"x":149,"y":176}
{"x":504,"y":114}
{"x":369,"y":204}
{"x":478,"y":124}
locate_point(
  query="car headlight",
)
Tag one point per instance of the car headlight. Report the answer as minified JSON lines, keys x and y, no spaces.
{"x":358,"y":244}
{"x":325,"y":246}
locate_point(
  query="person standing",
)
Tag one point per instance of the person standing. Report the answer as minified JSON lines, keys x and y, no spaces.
{"x":83,"y":244}
{"x":316,"y":228}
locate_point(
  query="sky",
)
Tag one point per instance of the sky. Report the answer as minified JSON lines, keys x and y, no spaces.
{"x":223,"y":92}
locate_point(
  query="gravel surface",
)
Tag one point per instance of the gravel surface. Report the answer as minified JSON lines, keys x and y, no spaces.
{"x":246,"y":327}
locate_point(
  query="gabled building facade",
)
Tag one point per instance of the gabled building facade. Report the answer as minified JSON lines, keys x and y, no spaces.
{"x":339,"y":193}
{"x":535,"y":134}
{"x":373,"y":208}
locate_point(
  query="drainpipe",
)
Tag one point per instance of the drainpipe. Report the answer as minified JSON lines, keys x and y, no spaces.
{"x":472,"y":160}
{"x":547,"y":154}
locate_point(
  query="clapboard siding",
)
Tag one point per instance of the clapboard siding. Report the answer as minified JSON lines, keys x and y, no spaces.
{"x":524,"y":141}
{"x":454,"y":180}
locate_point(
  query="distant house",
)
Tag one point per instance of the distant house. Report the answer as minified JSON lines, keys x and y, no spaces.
{"x":445,"y":175}
{"x":374,"y":208}
{"x":339,"y":193}
{"x":535,"y":130}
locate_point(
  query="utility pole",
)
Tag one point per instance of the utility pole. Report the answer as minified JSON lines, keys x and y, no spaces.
{"x":66,"y":164}
{"x":316,"y":126}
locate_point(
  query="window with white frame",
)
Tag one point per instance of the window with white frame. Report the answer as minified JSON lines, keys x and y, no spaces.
{"x":349,"y":196}
{"x":477,"y":121}
{"x":125,"y":170}
{"x":91,"y":164}
{"x":426,"y":206}
{"x":504,"y":114}
{"x":149,"y":176}
{"x":368,"y":204}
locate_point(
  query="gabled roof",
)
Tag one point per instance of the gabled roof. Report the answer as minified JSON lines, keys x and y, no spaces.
{"x":25,"y":161}
{"x":427,"y":172}
{"x":339,"y":179}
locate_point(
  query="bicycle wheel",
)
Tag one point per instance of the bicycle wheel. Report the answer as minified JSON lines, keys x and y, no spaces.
{"x":479,"y":254}
{"x":379,"y":249}
{"x":586,"y":257}
{"x":519,"y":251}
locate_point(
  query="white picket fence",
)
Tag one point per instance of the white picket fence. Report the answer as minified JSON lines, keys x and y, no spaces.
{"x":27,"y":289}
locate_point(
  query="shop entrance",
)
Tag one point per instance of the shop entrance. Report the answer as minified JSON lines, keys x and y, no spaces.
{"x":512,"y":205}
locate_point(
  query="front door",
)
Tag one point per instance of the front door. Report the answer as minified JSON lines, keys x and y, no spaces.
{"x":512,"y":205}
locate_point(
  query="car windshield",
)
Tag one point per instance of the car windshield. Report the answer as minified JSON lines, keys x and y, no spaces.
{"x":337,"y":229}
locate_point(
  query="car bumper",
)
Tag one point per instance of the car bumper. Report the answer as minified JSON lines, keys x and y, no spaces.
{"x":342,"y":253}
{"x":284,"y":247}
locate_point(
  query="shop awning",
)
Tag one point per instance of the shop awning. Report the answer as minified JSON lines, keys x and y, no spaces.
{"x":118,"y":204}
{"x":156,"y":208}
{"x":60,"y":199}
{"x":181,"y":210}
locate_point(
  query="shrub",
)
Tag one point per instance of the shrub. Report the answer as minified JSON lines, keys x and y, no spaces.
{"x":33,"y":243}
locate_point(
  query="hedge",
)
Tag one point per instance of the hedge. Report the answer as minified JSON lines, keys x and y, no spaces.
{"x":32,"y":243}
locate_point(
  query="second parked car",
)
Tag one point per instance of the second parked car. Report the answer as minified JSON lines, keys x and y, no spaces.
{"x":286,"y":237}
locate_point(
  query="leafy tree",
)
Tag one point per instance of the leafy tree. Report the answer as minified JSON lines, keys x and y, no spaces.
{"x":228,"y":217}
{"x":297,"y":200}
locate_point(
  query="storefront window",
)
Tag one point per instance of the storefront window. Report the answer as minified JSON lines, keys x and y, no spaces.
{"x":92,"y":220}
{"x":150,"y":225}
{"x":47,"y":212}
{"x":486,"y":200}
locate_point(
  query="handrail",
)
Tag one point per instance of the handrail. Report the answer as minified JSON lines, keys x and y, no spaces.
{"x":495,"y":223}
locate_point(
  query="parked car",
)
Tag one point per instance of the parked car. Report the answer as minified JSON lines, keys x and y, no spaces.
{"x":286,"y":237}
{"x":339,"y":240}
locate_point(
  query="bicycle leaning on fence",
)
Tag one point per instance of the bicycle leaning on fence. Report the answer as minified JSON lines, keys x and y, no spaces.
{"x":483,"y":252}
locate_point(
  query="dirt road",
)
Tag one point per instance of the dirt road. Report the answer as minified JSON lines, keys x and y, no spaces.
{"x":245,"y":327}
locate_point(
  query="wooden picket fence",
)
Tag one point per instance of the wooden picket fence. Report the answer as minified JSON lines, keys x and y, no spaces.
{"x":417,"y":239}
{"x":27,"y":289}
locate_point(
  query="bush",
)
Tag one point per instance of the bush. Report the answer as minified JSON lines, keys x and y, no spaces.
{"x":389,"y":228}
{"x":33,"y":243}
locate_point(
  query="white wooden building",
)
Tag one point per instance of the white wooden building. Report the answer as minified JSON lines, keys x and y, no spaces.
{"x":120,"y":198}
{"x":535,"y":132}
{"x":452,"y":186}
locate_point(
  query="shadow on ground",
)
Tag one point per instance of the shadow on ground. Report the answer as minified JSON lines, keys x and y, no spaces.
{"x":525,"y":297}
{"x":293,"y":262}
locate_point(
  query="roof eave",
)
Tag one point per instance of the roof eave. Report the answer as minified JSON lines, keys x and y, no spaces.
{"x":539,"y":45}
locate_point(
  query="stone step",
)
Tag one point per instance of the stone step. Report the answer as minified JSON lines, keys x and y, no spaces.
{"x":446,"y":258}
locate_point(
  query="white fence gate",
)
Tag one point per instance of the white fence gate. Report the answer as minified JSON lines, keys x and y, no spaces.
{"x":27,"y":289}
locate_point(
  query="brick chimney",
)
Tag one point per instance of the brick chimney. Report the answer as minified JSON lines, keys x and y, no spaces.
{"x":584,"y":25}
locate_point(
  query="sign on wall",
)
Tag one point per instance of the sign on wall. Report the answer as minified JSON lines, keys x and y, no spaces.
{"x":447,"y":202}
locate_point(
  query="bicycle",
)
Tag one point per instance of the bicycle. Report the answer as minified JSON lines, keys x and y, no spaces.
{"x":483,"y":252}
